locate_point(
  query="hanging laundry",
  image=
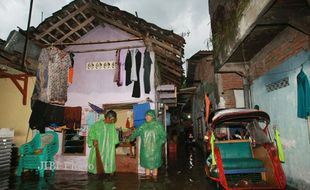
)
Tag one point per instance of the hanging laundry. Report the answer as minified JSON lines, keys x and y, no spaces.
{"x":52,"y":76}
{"x":303,"y":95}
{"x":136,"y":93}
{"x":36,"y":120}
{"x":147,"y":64}
{"x":207,"y":108}
{"x":72,"y":117}
{"x":43,"y":115}
{"x":117,"y":68}
{"x":139,"y":111}
{"x":134,"y":62}
{"x":91,"y":118}
{"x":122,"y":73}
{"x":128,"y":65}
{"x":71,"y":71}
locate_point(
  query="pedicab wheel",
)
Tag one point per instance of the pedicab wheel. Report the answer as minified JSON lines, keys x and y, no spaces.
{"x":219,"y":186}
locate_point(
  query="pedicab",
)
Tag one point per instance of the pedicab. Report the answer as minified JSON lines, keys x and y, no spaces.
{"x":242,"y":154}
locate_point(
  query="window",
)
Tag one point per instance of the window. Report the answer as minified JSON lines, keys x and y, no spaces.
{"x":73,"y":143}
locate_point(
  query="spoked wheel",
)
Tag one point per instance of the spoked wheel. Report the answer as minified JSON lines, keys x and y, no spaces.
{"x":219,"y":186}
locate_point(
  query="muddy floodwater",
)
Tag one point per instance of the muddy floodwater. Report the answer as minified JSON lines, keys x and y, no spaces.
{"x":185,"y":171}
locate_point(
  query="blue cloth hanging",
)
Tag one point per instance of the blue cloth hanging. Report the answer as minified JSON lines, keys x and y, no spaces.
{"x":303,"y":95}
{"x":139,"y":111}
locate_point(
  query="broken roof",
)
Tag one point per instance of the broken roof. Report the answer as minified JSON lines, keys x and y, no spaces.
{"x":81,"y":16}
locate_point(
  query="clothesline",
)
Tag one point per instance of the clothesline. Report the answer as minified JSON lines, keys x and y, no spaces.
{"x":94,"y":43}
{"x":108,"y":49}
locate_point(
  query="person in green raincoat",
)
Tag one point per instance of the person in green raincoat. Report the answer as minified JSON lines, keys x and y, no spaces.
{"x":153,"y":136}
{"x":103,"y":134}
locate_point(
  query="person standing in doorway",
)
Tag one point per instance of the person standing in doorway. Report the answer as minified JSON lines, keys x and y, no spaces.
{"x":103,"y":136}
{"x":153,"y":136}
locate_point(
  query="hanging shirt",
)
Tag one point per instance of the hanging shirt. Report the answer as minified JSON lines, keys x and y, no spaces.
{"x":147,"y":64}
{"x":303,"y":95}
{"x":58,"y":66}
{"x":136,"y":93}
{"x":107,"y":138}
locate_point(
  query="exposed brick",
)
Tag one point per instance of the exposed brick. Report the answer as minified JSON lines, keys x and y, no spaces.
{"x":286,"y":44}
{"x":231,"y":81}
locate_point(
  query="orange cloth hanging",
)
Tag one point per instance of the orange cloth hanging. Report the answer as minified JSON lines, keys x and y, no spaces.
{"x":70,"y":76}
{"x":207,"y":102}
{"x":128,"y":124}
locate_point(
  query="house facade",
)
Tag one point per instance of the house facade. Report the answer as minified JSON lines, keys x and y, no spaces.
{"x":117,"y":61}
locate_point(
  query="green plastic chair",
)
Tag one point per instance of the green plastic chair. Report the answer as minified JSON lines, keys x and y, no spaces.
{"x":40,"y":151}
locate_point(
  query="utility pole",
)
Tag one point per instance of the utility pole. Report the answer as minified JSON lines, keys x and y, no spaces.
{"x":27,"y":36}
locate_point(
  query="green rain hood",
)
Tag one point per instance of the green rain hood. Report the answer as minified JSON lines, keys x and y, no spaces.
{"x":153,"y":136}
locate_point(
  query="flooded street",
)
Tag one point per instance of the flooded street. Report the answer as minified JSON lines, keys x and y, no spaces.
{"x":186,"y":172}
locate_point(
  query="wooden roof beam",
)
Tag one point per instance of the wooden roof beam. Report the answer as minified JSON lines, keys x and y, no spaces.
{"x":169,"y":77}
{"x":62,"y":21}
{"x":170,"y":80}
{"x":118,"y":25}
{"x":161,"y":52}
{"x":171,"y":65}
{"x":126,"y":28}
{"x":170,"y":70}
{"x":76,"y":29}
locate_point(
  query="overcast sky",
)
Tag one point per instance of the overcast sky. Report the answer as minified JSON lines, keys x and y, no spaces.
{"x":181,"y":16}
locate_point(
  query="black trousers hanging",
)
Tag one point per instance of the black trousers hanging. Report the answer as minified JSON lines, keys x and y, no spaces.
{"x":136,"y":93}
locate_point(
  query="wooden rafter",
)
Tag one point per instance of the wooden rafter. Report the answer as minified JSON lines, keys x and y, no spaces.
{"x":170,"y":64}
{"x":76,"y":29}
{"x":64,"y":20}
{"x":119,"y":25}
{"x":166,"y":75}
{"x":165,"y":54}
{"x":170,"y":70}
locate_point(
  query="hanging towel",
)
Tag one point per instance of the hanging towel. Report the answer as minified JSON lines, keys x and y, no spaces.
{"x":139,"y":111}
{"x":303,"y":95}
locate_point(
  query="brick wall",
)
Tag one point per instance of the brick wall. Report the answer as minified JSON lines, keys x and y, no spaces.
{"x":286,"y":44}
{"x":230,"y":82}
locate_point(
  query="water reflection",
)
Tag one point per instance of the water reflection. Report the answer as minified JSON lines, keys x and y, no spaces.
{"x":185,"y":171}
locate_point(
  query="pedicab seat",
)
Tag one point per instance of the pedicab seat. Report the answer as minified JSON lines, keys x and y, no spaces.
{"x":40,"y":150}
{"x":237,"y":157}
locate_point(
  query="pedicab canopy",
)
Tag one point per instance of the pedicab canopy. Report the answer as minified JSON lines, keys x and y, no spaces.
{"x":222,"y":115}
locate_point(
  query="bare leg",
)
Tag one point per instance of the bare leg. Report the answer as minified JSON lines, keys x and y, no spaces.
{"x":155,"y":172}
{"x":147,"y":172}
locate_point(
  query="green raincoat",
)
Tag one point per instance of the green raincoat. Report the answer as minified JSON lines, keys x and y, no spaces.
{"x":153,"y":136}
{"x":107,"y":139}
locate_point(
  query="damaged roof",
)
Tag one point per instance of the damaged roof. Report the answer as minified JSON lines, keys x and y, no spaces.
{"x":81,"y":16}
